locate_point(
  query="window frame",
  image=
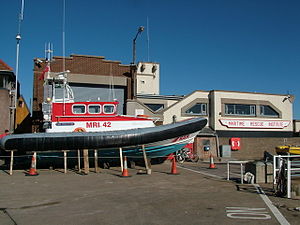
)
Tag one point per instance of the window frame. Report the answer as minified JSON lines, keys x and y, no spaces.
{"x":202,"y":104}
{"x":271,"y":116}
{"x":78,"y":105}
{"x":161,"y":108}
{"x":114,"y":111}
{"x":252,"y":109}
{"x":95,"y":105}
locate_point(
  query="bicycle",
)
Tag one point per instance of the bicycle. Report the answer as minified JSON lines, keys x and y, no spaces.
{"x":281,"y":180}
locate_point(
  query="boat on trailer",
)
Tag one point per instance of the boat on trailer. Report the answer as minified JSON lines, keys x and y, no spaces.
{"x":158,"y":141}
{"x":71,"y":125}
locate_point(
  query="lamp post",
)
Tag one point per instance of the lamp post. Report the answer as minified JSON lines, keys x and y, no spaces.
{"x":133,"y":65}
{"x":18,"y":39}
{"x":140,"y":30}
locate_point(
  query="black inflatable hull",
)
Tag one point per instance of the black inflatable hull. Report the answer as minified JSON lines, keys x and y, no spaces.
{"x":100,"y":140}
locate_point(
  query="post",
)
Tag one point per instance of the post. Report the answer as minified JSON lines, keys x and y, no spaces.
{"x":288,"y":177}
{"x":78,"y":158}
{"x":86,"y":161}
{"x":65,"y":161}
{"x":96,"y":161}
{"x":228,"y":170}
{"x":274,"y":169}
{"x":148,"y":170}
{"x":242,"y":181}
{"x":11,"y":162}
{"x":121,"y":158}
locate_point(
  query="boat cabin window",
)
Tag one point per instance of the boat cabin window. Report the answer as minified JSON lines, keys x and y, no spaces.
{"x":94,"y":109}
{"x":109,"y":109}
{"x":78,"y":109}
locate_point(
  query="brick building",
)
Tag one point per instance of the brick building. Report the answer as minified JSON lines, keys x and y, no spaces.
{"x":7,"y":85}
{"x":15,"y":120}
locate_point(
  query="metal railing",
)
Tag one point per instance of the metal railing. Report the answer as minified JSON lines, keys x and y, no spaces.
{"x":284,"y":168}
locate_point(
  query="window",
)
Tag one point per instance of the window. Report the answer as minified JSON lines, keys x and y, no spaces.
{"x":197,"y":109}
{"x":78,"y":109}
{"x":240,"y":109}
{"x":94,"y":109}
{"x":266,"y":110}
{"x":155,"y":107}
{"x":109,"y":109}
{"x":1,"y":82}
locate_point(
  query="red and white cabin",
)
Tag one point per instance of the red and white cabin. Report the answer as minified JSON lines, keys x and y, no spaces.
{"x":63,"y":114}
{"x":92,"y":117}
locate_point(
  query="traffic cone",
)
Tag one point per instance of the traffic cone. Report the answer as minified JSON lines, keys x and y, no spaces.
{"x":125,"y":169}
{"x":32,"y":171}
{"x":174,"y":167}
{"x":211,"y":162}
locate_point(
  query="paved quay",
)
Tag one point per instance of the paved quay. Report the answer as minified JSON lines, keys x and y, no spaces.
{"x":160,"y":198}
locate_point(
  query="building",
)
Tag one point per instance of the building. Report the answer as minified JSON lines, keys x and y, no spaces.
{"x":246,"y":123}
{"x":7,"y":85}
{"x":16,"y":120}
{"x":256,"y":122}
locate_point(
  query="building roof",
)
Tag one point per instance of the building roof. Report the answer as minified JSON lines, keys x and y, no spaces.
{"x":85,"y":65}
{"x":4,"y":66}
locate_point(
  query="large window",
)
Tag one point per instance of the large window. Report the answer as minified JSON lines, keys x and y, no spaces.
{"x":268,"y":111}
{"x":240,"y":109}
{"x":155,"y":107}
{"x":197,"y":109}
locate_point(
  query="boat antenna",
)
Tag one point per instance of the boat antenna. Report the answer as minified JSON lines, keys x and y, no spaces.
{"x":148,"y":39}
{"x":63,"y":35}
{"x":112,"y":86}
{"x":48,"y":51}
{"x":64,"y":54}
{"x":18,"y":38}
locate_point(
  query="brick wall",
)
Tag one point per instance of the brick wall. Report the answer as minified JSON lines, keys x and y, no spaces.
{"x":253,"y":148}
{"x":4,"y":110}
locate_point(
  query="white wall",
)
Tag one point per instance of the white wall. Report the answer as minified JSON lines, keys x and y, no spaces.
{"x":251,"y":123}
{"x":148,"y":78}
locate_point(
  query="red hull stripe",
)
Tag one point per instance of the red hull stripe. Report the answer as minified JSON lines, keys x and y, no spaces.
{"x":84,"y":118}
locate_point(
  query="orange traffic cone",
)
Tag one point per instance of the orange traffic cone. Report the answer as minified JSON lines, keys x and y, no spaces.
{"x":174,"y":167}
{"x":125,"y":169}
{"x":211,"y":162}
{"x":32,"y":171}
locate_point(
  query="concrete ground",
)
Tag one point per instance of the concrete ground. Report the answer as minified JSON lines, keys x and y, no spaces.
{"x":196,"y":196}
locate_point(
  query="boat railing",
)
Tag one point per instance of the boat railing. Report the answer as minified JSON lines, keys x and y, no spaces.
{"x":155,"y":119}
{"x":87,"y":116}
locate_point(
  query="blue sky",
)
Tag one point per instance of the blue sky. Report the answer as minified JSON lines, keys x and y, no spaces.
{"x":237,"y":45}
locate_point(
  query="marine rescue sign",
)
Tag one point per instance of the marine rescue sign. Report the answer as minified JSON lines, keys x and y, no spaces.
{"x":255,"y":124}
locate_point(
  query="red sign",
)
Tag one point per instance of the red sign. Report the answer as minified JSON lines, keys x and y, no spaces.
{"x":235,"y":143}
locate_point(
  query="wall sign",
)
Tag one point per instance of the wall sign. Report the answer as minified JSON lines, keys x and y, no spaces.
{"x":255,"y":124}
{"x":235,"y":143}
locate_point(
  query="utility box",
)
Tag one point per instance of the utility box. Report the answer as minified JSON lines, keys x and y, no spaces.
{"x":263,"y":171}
{"x":226,"y":151}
